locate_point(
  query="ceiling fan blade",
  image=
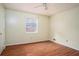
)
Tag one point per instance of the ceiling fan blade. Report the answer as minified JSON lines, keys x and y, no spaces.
{"x":38,"y":6}
{"x":44,"y":5}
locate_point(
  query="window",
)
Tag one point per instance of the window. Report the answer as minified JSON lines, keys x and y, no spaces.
{"x":31,"y":25}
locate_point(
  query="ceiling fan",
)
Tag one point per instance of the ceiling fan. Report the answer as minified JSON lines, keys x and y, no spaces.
{"x":44,"y":5}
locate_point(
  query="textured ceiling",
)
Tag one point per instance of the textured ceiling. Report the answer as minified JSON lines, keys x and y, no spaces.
{"x":53,"y":8}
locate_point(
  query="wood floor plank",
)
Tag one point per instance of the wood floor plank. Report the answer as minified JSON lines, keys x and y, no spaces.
{"x":46,"y":48}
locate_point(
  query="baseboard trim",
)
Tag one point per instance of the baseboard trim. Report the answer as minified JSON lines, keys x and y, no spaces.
{"x":27,"y":43}
{"x":2,"y":50}
{"x":64,"y":45}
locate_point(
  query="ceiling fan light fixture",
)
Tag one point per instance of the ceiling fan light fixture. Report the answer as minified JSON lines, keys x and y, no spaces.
{"x":45,"y":6}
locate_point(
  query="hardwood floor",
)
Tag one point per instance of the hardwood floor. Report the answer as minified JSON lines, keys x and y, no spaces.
{"x":46,"y":48}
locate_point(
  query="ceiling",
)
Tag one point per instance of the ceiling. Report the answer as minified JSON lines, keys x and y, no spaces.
{"x":53,"y":8}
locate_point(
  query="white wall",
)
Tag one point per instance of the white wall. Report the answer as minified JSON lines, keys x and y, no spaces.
{"x":15,"y":28}
{"x":65,"y":27}
{"x":2,"y":28}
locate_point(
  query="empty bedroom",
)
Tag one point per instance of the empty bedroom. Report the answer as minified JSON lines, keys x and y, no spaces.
{"x":39,"y":29}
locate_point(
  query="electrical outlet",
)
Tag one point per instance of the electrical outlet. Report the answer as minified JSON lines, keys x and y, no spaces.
{"x":54,"y":39}
{"x":66,"y":40}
